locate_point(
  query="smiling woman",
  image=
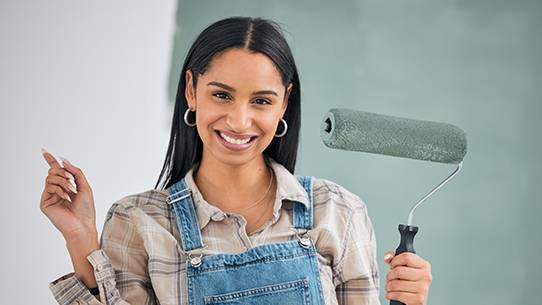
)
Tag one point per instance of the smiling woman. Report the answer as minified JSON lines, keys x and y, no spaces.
{"x":236,"y":127}
{"x":244,"y":68}
{"x":231,"y":223}
{"x":233,"y":112}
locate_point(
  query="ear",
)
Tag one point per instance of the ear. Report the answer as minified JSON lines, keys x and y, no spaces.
{"x":189,"y":91}
{"x":286,"y":98}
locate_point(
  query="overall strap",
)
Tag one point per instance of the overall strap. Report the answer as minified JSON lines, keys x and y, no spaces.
{"x":180,"y":201}
{"x":303,"y":216}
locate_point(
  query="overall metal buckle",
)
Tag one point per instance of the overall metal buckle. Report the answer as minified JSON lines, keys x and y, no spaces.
{"x":304,"y":238}
{"x":195,"y":260}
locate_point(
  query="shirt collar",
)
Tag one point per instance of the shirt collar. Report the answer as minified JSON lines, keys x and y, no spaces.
{"x":288,"y":188}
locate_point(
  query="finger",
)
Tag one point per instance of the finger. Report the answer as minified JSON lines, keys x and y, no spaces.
{"x":406,"y":297}
{"x":408,"y":259}
{"x":51,"y":201}
{"x":45,"y":196}
{"x":80,"y":179}
{"x":62,"y":182}
{"x":388,"y":256}
{"x":405,"y":286}
{"x":55,"y":189}
{"x":406,"y":273}
{"x":63,"y":173}
{"x":51,"y":160}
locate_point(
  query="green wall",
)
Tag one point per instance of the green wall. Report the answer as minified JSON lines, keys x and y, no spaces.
{"x":475,"y":64}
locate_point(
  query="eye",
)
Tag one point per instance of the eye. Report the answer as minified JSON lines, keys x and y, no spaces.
{"x":221,"y":95}
{"x":263,"y":100}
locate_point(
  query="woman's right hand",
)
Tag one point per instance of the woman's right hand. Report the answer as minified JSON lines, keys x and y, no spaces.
{"x":73,"y":219}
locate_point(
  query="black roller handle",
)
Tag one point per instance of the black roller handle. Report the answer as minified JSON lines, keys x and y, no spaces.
{"x":406,"y":245}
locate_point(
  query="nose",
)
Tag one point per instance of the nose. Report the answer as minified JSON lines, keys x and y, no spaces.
{"x":239,"y":119}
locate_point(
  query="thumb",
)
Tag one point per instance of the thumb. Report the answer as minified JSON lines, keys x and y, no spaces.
{"x":388,"y":256}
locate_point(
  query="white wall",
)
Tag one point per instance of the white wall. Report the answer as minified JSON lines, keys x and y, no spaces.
{"x":86,"y":80}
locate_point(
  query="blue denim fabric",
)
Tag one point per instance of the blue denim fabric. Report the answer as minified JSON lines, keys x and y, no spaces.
{"x":281,"y":273}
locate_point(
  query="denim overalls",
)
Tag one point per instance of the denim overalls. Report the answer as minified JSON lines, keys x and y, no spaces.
{"x":282,"y":273}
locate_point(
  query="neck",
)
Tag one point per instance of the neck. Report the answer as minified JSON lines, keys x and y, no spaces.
{"x":232,"y":187}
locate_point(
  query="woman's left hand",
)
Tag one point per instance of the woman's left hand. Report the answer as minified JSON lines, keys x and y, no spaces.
{"x":409,"y":278}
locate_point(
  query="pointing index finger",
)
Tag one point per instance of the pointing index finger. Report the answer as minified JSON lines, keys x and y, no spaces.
{"x":51,"y":159}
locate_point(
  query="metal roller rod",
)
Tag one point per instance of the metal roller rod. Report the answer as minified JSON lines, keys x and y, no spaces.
{"x":411,"y":214}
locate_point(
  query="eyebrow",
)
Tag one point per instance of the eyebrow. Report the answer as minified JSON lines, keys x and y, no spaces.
{"x":224,"y":86}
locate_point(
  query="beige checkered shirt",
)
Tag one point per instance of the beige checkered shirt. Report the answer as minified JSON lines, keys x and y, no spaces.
{"x":140,"y":260}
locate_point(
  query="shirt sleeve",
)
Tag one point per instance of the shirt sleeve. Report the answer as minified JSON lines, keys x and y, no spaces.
{"x":120,"y":266}
{"x":357,"y":275}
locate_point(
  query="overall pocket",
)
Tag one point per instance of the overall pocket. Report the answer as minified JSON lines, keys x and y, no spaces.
{"x":288,"y":293}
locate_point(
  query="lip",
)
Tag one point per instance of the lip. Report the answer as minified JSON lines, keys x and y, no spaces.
{"x":234,"y":147}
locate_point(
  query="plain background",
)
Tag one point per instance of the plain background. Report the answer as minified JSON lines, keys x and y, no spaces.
{"x":94,"y":82}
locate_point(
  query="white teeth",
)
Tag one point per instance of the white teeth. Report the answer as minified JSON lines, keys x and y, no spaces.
{"x":234,"y":141}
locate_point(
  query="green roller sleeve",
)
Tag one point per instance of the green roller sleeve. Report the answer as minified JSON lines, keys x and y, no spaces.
{"x":354,"y":130}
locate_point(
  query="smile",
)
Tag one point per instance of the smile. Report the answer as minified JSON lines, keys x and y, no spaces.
{"x":234,"y":140}
{"x":235,"y":143}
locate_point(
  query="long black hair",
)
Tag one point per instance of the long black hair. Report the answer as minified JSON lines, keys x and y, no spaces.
{"x":254,"y":34}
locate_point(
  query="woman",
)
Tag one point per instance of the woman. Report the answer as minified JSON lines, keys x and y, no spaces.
{"x":232,"y":224}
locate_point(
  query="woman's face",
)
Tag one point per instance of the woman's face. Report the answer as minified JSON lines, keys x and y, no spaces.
{"x":239,"y":97}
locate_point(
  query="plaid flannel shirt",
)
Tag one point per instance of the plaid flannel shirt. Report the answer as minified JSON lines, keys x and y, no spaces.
{"x":140,"y":260}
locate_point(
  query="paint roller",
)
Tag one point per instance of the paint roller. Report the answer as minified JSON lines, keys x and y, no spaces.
{"x":354,"y":130}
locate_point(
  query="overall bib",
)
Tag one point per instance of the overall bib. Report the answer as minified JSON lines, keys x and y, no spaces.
{"x":279,"y":274}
